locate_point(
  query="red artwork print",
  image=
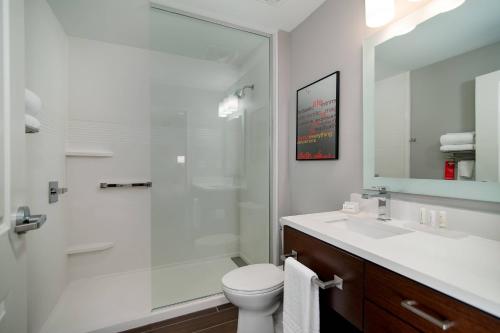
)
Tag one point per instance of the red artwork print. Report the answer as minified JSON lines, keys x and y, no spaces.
{"x":316,"y":156}
{"x":317,"y":122}
{"x":318,"y":103}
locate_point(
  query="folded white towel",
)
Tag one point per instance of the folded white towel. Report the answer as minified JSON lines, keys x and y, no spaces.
{"x":31,"y":123}
{"x":301,"y":299}
{"x":458,"y":138}
{"x":33,"y":103}
{"x":451,"y":148}
{"x":466,"y":169}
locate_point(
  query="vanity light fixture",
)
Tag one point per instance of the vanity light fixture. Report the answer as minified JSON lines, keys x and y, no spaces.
{"x":379,"y":12}
{"x":443,"y":6}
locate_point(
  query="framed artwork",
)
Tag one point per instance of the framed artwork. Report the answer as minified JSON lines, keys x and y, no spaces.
{"x":317,"y":135}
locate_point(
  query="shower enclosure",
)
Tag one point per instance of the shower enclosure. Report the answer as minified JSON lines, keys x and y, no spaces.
{"x":146,"y":95}
{"x":210,"y":154}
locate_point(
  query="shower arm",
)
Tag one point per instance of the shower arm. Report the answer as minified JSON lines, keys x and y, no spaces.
{"x":241,"y":92}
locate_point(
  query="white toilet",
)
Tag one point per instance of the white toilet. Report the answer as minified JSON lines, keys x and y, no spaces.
{"x":257,"y":291}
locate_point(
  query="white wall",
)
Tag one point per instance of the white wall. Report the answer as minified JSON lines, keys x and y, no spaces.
{"x":109,"y":109}
{"x":329,"y":40}
{"x":47,"y":75}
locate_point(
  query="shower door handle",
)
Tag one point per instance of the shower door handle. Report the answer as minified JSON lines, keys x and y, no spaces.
{"x":26,"y":222}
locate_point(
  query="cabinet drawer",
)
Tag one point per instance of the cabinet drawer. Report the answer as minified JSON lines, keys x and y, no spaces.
{"x":378,"y":320}
{"x":424,"y":305}
{"x":327,"y":261}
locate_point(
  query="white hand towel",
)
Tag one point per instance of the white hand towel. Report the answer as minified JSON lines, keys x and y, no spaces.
{"x":31,"y":122}
{"x":301,"y":299}
{"x":449,"y":148}
{"x":458,"y":138}
{"x":33,"y":103}
{"x":466,"y":169}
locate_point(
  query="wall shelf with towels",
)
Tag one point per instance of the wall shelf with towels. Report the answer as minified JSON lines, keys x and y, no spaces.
{"x":88,"y":153}
{"x":89,"y":248}
{"x":464,"y":155}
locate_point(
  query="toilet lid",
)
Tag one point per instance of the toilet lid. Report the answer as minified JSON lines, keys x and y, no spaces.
{"x":251,"y":278}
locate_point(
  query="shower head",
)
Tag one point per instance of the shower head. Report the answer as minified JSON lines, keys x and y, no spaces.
{"x":240,"y":93}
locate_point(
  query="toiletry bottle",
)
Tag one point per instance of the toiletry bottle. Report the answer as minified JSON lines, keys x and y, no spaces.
{"x":433,"y":219}
{"x":443,"y":219}
{"x":423,"y":215}
{"x":449,"y":170}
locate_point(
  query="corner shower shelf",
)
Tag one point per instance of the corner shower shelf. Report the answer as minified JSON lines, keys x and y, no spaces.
{"x":88,"y":153}
{"x":89,"y":248}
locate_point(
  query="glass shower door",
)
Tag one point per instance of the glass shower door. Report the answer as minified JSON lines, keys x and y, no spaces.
{"x":210,"y":102}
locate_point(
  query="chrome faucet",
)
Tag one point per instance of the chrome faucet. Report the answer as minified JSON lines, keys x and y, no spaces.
{"x":384,"y":202}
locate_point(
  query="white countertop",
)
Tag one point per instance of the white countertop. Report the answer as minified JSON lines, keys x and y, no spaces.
{"x":466,"y":268}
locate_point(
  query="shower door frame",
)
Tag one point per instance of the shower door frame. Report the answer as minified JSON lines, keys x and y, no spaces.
{"x":273,"y":148}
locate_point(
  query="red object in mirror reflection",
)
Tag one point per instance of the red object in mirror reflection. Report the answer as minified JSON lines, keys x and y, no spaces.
{"x":449,"y":170}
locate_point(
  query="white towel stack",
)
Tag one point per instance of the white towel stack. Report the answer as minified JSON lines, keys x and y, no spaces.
{"x":456,"y":142}
{"x":301,"y":299}
{"x":33,"y":108}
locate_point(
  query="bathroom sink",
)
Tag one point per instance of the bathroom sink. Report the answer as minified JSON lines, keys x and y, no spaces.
{"x":373,"y":229}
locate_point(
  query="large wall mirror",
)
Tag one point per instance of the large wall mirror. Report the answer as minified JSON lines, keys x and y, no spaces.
{"x":432,"y":102}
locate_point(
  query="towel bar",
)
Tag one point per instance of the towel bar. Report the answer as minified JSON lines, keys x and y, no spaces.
{"x":337,"y":282}
{"x":292,"y":254}
{"x":106,"y":185}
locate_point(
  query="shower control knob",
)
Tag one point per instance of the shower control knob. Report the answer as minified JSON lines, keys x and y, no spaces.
{"x":55,"y":191}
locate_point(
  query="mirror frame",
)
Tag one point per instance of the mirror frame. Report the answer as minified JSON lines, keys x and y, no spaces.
{"x":472,"y":190}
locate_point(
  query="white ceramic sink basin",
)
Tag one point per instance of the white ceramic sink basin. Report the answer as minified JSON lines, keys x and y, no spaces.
{"x":373,"y":229}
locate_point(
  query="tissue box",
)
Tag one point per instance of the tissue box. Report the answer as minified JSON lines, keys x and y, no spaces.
{"x":350,"y":207}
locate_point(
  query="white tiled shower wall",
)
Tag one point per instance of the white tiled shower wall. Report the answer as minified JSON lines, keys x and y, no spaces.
{"x":109,"y":110}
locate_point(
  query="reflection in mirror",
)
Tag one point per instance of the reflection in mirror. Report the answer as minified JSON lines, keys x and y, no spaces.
{"x":437,"y":98}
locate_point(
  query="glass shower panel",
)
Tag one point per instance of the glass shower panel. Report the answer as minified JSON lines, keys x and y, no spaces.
{"x":210,"y":95}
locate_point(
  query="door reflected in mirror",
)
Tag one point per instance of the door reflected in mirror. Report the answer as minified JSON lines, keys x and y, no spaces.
{"x":437,"y":98}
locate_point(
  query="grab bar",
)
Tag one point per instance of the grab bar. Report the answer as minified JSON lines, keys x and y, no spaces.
{"x":337,"y":282}
{"x":106,"y":185}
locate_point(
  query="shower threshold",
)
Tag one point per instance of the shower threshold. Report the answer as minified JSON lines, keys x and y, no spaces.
{"x":117,"y":302}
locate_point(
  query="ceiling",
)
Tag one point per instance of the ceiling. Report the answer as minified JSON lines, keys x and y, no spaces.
{"x":127,"y":21}
{"x":135,"y":23}
{"x":262,"y":15}
{"x":180,"y":35}
{"x":473,"y":25}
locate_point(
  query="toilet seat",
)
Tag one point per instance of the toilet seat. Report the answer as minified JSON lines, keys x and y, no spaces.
{"x":254,"y":279}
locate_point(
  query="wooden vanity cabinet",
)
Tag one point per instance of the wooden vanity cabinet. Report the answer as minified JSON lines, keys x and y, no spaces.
{"x":377,"y":300}
{"x":390,"y":290}
{"x":327,"y":261}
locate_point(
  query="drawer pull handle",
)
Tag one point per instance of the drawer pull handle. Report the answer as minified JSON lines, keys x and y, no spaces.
{"x":410,"y":305}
